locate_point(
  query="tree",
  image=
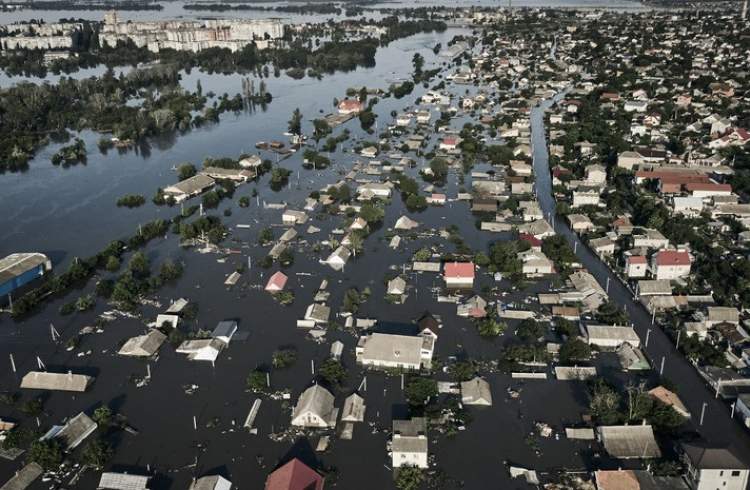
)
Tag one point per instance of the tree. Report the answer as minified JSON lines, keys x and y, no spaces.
{"x":295,"y":123}
{"x":186,"y":170}
{"x":283,"y":358}
{"x":372,"y":213}
{"x":612,"y":314}
{"x":462,"y":370}
{"x":256,"y":381}
{"x":574,"y":350}
{"x":48,"y":453}
{"x":113,"y":263}
{"x":96,"y":454}
{"x":332,"y":371}
{"x":139,"y":265}
{"x":419,"y":390}
{"x":409,"y":478}
{"x":489,"y":327}
{"x":102,"y":416}
{"x":529,"y":330}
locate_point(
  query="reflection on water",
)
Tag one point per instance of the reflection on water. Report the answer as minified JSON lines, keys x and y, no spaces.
{"x":77,"y":205}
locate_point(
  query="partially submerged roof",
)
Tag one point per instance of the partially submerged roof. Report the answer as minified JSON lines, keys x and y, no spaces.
{"x":24,"y":477}
{"x":42,"y":380}
{"x":294,"y":475}
{"x":122,"y":481}
{"x":476,"y":392}
{"x":629,"y":441}
{"x":143,"y":345}
{"x":73,"y":432}
{"x":14,"y":265}
{"x":211,"y":482}
{"x":713,"y":458}
{"x":354,"y":409}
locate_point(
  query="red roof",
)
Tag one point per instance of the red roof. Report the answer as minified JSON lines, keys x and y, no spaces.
{"x":531,"y":239}
{"x":294,"y":475}
{"x":276,"y":282}
{"x":708,"y":186}
{"x":450,"y":141}
{"x":672,"y":257}
{"x":459,"y":270}
{"x":350,"y":105}
{"x":637,"y":259}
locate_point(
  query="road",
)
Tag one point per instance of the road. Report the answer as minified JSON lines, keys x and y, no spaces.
{"x":718,"y":427}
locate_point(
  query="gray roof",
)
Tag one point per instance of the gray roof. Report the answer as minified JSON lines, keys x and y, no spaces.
{"x":193,"y":185}
{"x":712,"y":458}
{"x":612,"y":332}
{"x":409,"y":436}
{"x":23,"y":478}
{"x":476,"y":392}
{"x":14,"y":265}
{"x":76,"y":430}
{"x":122,"y":481}
{"x":225,"y":328}
{"x":39,"y":380}
{"x":354,"y":409}
{"x":402,"y":349}
{"x":211,"y":482}
{"x":143,"y":345}
{"x":629,"y":441}
{"x":317,"y":400}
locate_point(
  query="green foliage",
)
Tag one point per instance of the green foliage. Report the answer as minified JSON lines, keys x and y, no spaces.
{"x":295,"y":123}
{"x":418,"y":390}
{"x":332,"y":371}
{"x":556,"y":248}
{"x":422,"y":255}
{"x":32,"y":408}
{"x":284,"y":358}
{"x":139,"y":265}
{"x":504,"y":256}
{"x":48,"y":454}
{"x":256,"y":381}
{"x":605,"y":403}
{"x":489,"y":327}
{"x":574,"y":350}
{"x":462,"y":370}
{"x":352,"y":300}
{"x":186,"y":170}
{"x":96,"y":454}
{"x":372,"y":212}
{"x":529,"y":330}
{"x":611,"y":314}
{"x":409,"y":478}
{"x":131,"y":201}
{"x":113,"y":264}
{"x":102,"y":416}
{"x":19,"y":437}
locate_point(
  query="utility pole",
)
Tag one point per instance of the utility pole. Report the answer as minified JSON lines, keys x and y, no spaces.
{"x":703,"y":413}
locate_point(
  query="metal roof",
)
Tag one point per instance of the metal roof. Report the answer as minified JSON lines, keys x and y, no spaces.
{"x":14,"y":265}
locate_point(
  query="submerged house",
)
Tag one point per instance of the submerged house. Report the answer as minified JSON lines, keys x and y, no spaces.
{"x":294,"y":475}
{"x":201,"y":349}
{"x":389,"y":351}
{"x":354,"y":409}
{"x":315,"y":409}
{"x":73,"y":433}
{"x":211,"y":482}
{"x":190,"y":187}
{"x":409,"y":443}
{"x":42,"y":380}
{"x":143,"y":345}
{"x":476,"y":391}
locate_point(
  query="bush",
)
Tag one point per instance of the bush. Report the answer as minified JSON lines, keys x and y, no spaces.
{"x":131,"y":201}
{"x":283,"y":358}
{"x":489,"y":327}
{"x":418,"y":391}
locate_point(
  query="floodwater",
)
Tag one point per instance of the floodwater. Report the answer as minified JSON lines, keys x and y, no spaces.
{"x":71,"y":212}
{"x":175,"y":10}
{"x":718,"y":426}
